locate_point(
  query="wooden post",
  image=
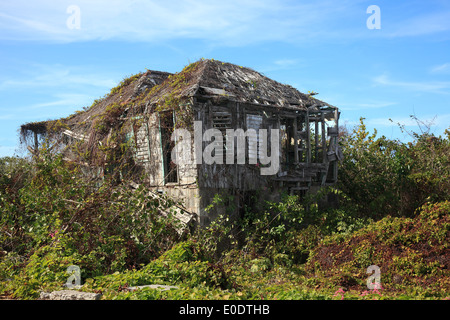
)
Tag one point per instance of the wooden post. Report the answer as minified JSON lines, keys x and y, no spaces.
{"x":316,"y":139}
{"x":36,"y":144}
{"x":161,"y":150}
{"x":336,"y":121}
{"x":295,"y":140}
{"x":308,"y":139}
{"x":324,"y":138}
{"x":280,"y":144}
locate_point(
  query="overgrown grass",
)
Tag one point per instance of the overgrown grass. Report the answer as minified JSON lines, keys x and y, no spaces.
{"x":394,"y":213}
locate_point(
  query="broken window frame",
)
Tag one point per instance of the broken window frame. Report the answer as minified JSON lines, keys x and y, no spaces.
{"x":169,"y":168}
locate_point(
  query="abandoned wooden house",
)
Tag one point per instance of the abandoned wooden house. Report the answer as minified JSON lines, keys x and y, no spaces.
{"x":144,"y":110}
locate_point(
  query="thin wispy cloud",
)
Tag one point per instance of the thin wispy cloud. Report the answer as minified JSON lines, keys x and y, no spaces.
{"x":52,"y":76}
{"x":61,"y":105}
{"x":421,"y":25}
{"x":49,"y":70}
{"x":6,"y":116}
{"x":437,"y":87}
{"x":61,"y":100}
{"x":366,"y":105}
{"x":52,"y":91}
{"x":392,"y":121}
{"x":16,"y":23}
{"x":280,"y":64}
{"x":234,"y":22}
{"x":443,"y":68}
{"x":284,"y":63}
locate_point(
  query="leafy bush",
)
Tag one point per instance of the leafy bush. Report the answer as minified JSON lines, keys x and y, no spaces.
{"x":393,"y":212}
{"x":387,"y":177}
{"x":410,"y":251}
{"x":44,"y":270}
{"x":105,"y":228}
{"x":181,"y":265}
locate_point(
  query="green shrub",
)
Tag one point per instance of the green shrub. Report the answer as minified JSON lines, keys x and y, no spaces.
{"x":393,"y":212}
{"x":387,"y":177}
{"x":410,"y":251}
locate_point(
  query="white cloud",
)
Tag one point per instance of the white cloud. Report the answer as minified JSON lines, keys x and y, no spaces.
{"x":51,"y":76}
{"x":233,"y":22}
{"x":40,"y":91}
{"x":6,"y":117}
{"x":437,"y":87}
{"x":422,"y":24}
{"x":286,"y":62}
{"x":386,"y":122}
{"x":367,"y":105}
{"x":279,"y":64}
{"x":30,"y":24}
{"x":62,"y":100}
{"x":443,"y":68}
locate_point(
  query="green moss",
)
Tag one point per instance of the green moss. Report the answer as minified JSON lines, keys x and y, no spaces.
{"x":125,"y":82}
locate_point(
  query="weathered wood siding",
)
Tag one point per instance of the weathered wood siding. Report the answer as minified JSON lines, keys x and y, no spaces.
{"x":233,"y":115}
{"x":197,"y":184}
{"x":142,"y":152}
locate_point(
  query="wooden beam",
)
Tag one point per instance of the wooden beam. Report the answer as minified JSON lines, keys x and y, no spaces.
{"x":74,"y":135}
{"x":296,"y":160}
{"x":324,"y":140}
{"x":31,"y":150}
{"x":308,"y":139}
{"x":36,"y":143}
{"x":316,"y":141}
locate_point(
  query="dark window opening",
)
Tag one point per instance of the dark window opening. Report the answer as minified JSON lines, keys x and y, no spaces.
{"x":287,"y":141}
{"x":167,"y":125}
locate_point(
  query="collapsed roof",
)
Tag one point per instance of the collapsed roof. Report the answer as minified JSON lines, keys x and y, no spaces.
{"x":148,"y":91}
{"x":206,"y":77}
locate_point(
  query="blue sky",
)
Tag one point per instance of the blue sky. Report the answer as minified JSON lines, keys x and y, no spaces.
{"x":49,"y":68}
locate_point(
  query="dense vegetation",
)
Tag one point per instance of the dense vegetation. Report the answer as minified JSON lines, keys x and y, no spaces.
{"x":394,"y":213}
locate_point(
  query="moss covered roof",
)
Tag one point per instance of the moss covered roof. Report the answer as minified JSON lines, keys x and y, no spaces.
{"x":206,"y":77}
